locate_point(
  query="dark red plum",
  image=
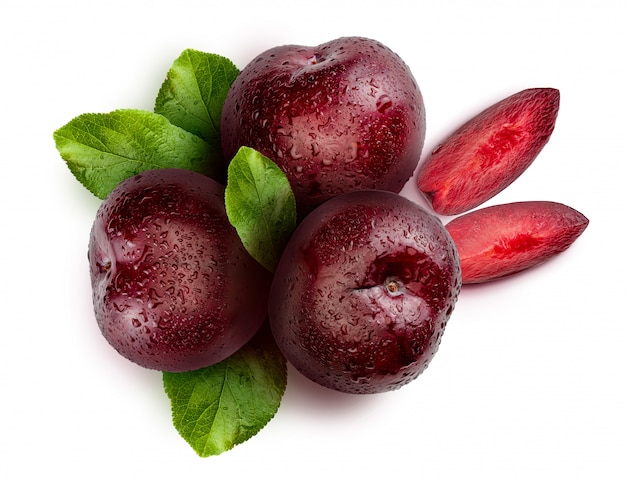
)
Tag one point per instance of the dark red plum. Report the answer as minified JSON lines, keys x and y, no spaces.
{"x":363,"y":292}
{"x":345,"y":115}
{"x":173,"y":287}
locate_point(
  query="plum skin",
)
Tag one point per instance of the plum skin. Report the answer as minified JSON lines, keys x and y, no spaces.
{"x":173,"y":287}
{"x":363,"y":292}
{"x":345,"y":115}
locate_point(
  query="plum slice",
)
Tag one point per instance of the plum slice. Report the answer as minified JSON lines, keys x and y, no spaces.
{"x":504,"y":239}
{"x":489,"y":152}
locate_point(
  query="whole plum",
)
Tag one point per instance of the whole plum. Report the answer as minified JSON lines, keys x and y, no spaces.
{"x":173,"y":287}
{"x":342,"y":116}
{"x":363,"y":292}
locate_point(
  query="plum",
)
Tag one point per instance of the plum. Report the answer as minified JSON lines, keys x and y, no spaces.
{"x":345,"y":115}
{"x":490,"y":151}
{"x":173,"y":287}
{"x":501,"y":240}
{"x":363,"y":292}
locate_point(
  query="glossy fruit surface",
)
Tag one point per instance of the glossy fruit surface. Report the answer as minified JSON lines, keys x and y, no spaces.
{"x":489,"y":152}
{"x":173,"y":287}
{"x":345,"y":115}
{"x":363,"y":291}
{"x":504,"y":239}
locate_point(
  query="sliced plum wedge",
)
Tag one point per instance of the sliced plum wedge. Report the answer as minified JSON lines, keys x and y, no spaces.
{"x":504,"y":239}
{"x":489,"y":152}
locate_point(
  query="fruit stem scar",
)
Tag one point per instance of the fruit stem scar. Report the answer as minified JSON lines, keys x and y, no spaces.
{"x":394,"y":287}
{"x":104,"y":266}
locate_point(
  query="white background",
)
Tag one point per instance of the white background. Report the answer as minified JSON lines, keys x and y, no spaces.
{"x":528,"y":382}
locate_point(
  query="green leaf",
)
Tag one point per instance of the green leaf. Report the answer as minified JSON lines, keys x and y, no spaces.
{"x":218,"y":407}
{"x":193,"y":94}
{"x":260,"y":205}
{"x":102,"y":149}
